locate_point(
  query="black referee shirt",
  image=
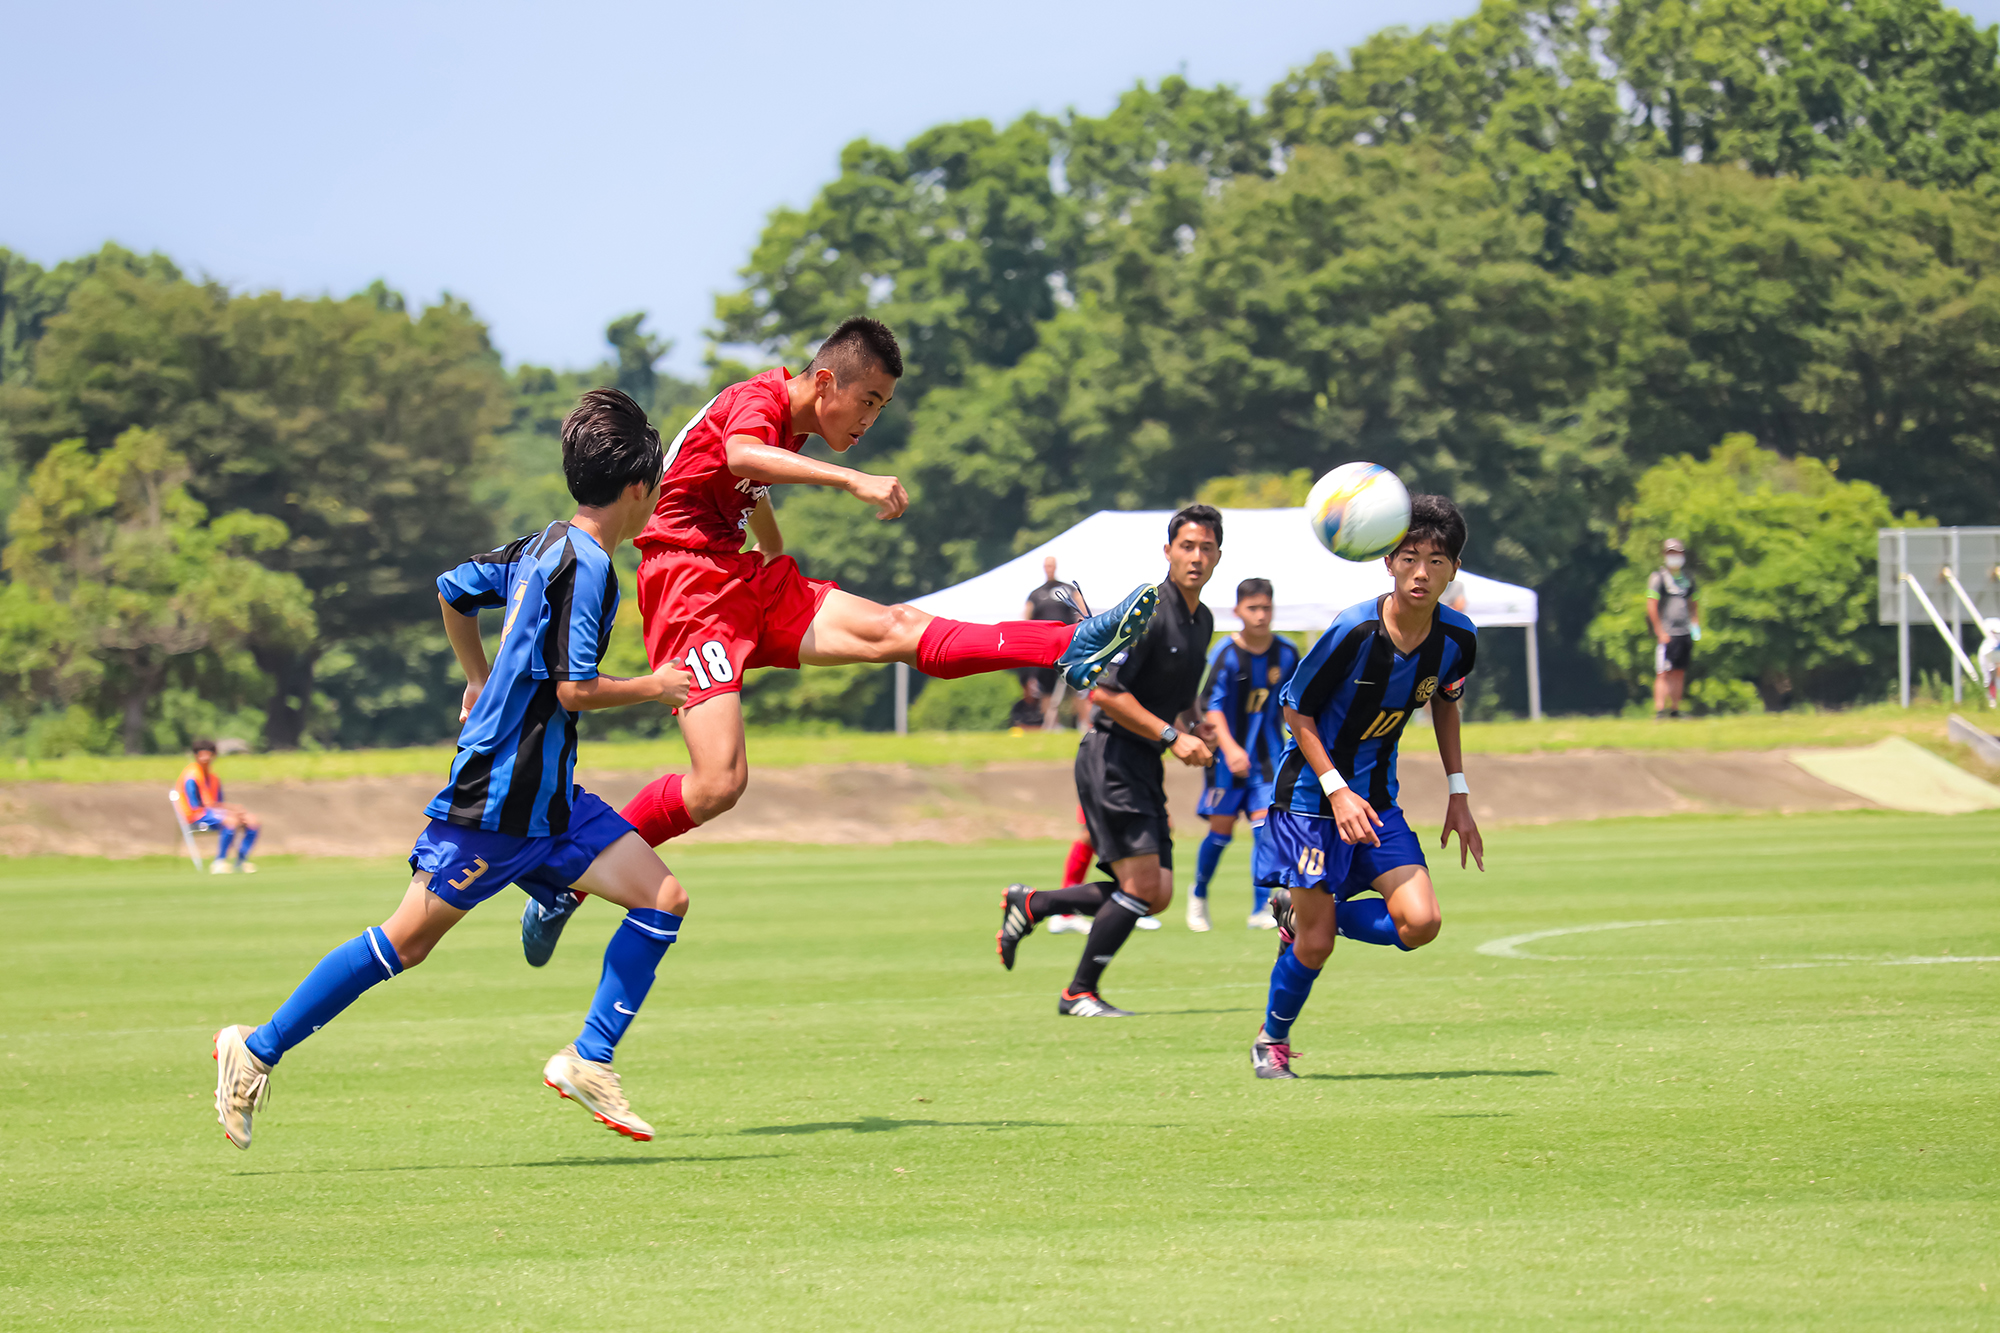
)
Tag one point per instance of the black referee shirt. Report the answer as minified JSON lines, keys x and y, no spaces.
{"x":1163,"y":670}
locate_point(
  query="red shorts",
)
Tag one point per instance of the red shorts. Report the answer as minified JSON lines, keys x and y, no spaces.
{"x":718,"y":613}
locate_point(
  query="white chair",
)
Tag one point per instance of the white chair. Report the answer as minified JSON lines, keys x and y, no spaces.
{"x":187,"y":831}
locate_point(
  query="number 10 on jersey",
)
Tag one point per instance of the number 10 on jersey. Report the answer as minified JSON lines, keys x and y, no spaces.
{"x":709,"y":664}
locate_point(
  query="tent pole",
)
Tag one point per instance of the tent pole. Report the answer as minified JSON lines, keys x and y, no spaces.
{"x":902,"y":698}
{"x":1902,"y":619}
{"x":1957,"y":635}
{"x":1534,"y":675}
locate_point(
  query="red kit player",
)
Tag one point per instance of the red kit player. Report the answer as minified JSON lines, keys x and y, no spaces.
{"x":719,"y":610}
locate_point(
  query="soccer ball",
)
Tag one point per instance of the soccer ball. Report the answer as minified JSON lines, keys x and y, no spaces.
{"x":1359,"y":511}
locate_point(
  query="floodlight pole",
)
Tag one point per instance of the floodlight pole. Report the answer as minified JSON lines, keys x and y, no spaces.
{"x":1534,"y":675}
{"x":1903,"y":616}
{"x":902,"y":698}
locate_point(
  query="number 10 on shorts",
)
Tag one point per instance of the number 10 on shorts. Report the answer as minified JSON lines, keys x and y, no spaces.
{"x":710,"y":665}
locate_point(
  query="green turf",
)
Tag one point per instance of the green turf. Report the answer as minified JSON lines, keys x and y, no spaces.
{"x":1742,"y":1119}
{"x":1924,"y":724}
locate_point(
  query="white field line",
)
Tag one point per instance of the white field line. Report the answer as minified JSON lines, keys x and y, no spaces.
{"x":1509,"y":946}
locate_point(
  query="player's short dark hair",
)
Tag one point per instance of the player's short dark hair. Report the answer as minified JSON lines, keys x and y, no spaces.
{"x":608,"y":445}
{"x":1254,"y":588}
{"x":857,"y":346}
{"x":1206,"y":515}
{"x":200,"y":743}
{"x":1436,"y":520}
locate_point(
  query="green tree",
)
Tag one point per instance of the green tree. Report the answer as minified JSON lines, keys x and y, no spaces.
{"x":1783,"y":552}
{"x":116,"y":576}
{"x":359,"y":427}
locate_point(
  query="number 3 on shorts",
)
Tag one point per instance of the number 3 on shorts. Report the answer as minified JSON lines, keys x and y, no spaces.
{"x":710,"y":665}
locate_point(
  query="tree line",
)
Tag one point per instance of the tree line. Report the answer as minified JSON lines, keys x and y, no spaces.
{"x":1543,"y":259}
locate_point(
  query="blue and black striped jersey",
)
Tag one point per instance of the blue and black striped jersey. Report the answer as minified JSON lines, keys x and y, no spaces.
{"x":1243,"y":687}
{"x":1361,"y":692}
{"x":517,"y":751}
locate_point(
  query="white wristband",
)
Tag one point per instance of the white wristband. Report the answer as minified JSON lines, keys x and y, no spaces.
{"x":1454,"y":784}
{"x":1331,"y":782}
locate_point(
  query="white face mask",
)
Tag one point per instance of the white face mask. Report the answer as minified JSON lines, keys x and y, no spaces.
{"x":1676,"y":561}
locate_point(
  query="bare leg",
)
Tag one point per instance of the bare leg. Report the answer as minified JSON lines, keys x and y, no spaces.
{"x":1313,"y":926}
{"x":631,"y":874}
{"x":713,"y":730}
{"x":854,"y":629}
{"x":420,"y":921}
{"x":1413,"y":904}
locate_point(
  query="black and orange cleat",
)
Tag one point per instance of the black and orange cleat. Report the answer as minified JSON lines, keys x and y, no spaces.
{"x":1088,"y":1004}
{"x":1015,"y":923}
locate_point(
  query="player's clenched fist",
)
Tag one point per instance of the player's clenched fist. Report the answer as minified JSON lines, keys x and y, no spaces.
{"x":1190,"y":751}
{"x":673,"y":681}
{"x":885,"y":493}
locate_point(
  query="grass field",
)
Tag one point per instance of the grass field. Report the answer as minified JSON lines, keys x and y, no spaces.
{"x":1767,"y":1100}
{"x":780,"y":749}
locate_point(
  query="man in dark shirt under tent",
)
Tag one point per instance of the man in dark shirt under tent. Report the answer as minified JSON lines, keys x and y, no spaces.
{"x":1147,"y":705}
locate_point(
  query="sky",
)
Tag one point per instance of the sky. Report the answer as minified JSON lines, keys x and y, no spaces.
{"x":554,"y":165}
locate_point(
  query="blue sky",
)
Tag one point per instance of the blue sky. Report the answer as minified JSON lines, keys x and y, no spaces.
{"x":555,"y":165}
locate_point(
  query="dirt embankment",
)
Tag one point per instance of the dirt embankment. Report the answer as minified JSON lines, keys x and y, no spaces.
{"x":897,"y":803}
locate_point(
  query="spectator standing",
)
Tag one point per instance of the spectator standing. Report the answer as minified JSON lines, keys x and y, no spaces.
{"x":1054,"y":600}
{"x":1676,"y":623}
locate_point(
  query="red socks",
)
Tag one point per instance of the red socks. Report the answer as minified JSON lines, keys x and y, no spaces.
{"x":658,"y":812}
{"x":953,"y":648}
{"x":1081,"y":854}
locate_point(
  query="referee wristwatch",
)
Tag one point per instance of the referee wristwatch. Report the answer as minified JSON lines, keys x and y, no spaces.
{"x":1168,"y":735}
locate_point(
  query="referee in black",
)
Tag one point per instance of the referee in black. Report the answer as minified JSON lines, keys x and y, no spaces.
{"x":1146,"y":706}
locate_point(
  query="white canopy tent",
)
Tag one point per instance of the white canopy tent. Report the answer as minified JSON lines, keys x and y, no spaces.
{"x":1111,"y":551}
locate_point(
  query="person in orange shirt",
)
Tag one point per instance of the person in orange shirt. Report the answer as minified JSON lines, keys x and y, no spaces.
{"x":199,"y":796}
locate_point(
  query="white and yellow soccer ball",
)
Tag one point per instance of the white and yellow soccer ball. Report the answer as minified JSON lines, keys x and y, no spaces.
{"x":1359,"y":511}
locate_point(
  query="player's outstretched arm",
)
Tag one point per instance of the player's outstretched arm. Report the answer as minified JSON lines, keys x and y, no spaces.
{"x":753,"y":460}
{"x":1354,"y":817}
{"x":668,"y":685}
{"x":1457,"y":805}
{"x":470,"y":649}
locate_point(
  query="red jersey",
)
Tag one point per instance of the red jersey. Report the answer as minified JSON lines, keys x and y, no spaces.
{"x":703,"y":505}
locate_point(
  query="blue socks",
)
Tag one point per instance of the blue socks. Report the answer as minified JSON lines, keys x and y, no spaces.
{"x":1291,"y":982}
{"x":337,"y":982}
{"x":1207,"y":859}
{"x":223,"y":840}
{"x":1368,"y":920}
{"x":243,"y":852}
{"x":630,"y":961}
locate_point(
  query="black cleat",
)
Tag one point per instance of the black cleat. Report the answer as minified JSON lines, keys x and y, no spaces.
{"x":1271,"y":1059}
{"x":1015,"y":923}
{"x":541,"y":927}
{"x":1088,"y":1005}
{"x":1281,"y":912}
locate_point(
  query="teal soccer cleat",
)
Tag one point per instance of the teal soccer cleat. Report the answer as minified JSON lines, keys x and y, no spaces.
{"x":541,"y":927}
{"x":1105,"y":635}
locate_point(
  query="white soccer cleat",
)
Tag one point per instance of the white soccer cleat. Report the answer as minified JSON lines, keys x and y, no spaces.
{"x":242,"y":1084}
{"x":1149,"y":923}
{"x":1197,"y":914}
{"x":246,"y":867}
{"x":1262,"y":920}
{"x":1069,"y":923}
{"x":221,"y":867}
{"x":596,"y":1087}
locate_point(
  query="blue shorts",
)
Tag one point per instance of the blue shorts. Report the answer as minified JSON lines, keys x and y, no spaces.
{"x":1227,"y":794}
{"x":469,"y":865}
{"x":207,"y":822}
{"x":1305,"y":852}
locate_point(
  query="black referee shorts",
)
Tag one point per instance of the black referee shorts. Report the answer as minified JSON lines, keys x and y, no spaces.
{"x":1121,"y":784}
